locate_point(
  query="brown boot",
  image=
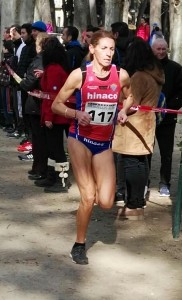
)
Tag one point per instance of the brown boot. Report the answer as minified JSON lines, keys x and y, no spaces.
{"x":136,"y":214}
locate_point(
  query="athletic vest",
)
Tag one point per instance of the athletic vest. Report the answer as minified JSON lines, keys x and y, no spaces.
{"x":99,"y":97}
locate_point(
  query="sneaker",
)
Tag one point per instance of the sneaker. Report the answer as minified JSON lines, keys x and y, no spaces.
{"x":26,"y":157}
{"x":119,"y":198}
{"x":14,"y":135}
{"x":164,"y":191}
{"x":27,"y":147}
{"x":78,"y":255}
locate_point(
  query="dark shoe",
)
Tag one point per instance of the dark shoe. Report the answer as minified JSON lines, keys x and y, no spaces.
{"x":36,"y":177}
{"x":78,"y":255}
{"x":44,"y":182}
{"x":31,"y":172}
{"x":26,"y":157}
{"x":56,"y":188}
{"x":10,"y":130}
{"x":119,"y":198}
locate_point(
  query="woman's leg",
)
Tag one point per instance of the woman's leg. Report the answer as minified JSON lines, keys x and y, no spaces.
{"x":81,"y":161}
{"x":135,"y":170}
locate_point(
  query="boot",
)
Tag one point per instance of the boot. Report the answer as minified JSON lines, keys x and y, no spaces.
{"x":51,"y":175}
{"x":60,"y":186}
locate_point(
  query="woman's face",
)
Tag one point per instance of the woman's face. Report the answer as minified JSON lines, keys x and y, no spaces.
{"x":103,"y":51}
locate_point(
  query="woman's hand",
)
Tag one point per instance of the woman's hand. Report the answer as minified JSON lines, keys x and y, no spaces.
{"x":48,"y":124}
{"x":122,"y":117}
{"x":38,"y":73}
{"x":83,"y":118}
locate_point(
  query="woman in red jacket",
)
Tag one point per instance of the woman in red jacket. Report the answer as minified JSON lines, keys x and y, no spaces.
{"x":52,"y":79}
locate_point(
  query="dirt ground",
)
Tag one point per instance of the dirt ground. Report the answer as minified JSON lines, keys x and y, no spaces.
{"x":127,"y":259}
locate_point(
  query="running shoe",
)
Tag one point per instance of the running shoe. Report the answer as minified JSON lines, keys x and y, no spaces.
{"x":26,"y":147}
{"x":26,"y":157}
{"x":78,"y":255}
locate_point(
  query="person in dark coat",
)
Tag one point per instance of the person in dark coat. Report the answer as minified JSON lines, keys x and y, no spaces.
{"x":32,"y":109}
{"x":75,"y":52}
{"x":165,"y":131}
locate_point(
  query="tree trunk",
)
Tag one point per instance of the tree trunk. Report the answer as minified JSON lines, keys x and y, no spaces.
{"x":125,"y":11}
{"x":42,"y":11}
{"x":93,"y":12}
{"x":176,"y":32}
{"x":112,"y":13}
{"x":81,"y":19}
{"x":155,"y":12}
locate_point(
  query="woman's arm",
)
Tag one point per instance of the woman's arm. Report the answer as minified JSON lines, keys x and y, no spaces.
{"x":128,"y":97}
{"x":73,"y":82}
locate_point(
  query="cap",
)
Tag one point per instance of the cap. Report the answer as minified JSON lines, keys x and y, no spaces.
{"x":154,"y":24}
{"x":40,"y":26}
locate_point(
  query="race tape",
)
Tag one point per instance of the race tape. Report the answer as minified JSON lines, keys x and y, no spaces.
{"x":51,"y":96}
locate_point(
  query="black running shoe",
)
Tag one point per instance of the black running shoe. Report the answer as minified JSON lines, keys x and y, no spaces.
{"x":78,"y":255}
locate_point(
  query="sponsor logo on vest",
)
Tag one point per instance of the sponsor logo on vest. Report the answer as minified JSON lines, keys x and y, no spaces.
{"x":91,"y":96}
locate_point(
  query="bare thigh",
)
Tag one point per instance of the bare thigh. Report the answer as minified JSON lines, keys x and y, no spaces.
{"x":81,"y":161}
{"x":105,"y":177}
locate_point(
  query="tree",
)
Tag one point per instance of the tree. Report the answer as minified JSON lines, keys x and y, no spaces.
{"x":112,"y":12}
{"x":93,"y":12}
{"x":81,"y":14}
{"x":42,"y":11}
{"x":155,"y":12}
{"x":176,"y":30}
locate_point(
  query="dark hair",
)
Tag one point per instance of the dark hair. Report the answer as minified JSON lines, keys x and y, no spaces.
{"x":7,"y":30}
{"x":157,"y":28}
{"x":99,"y":35}
{"x":17,"y":27}
{"x":28,"y":27}
{"x":54,"y":52}
{"x":121,"y":28}
{"x":140,"y":57}
{"x":9,"y":46}
{"x":73,"y":31}
{"x":92,"y":28}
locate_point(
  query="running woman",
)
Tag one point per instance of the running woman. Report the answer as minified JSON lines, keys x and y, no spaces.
{"x":98,"y":91}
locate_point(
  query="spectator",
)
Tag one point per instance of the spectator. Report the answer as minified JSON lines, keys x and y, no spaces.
{"x":74,"y":49}
{"x":143,"y":30}
{"x":165,"y":131}
{"x":121,"y":33}
{"x":135,"y":139}
{"x":55,"y":73}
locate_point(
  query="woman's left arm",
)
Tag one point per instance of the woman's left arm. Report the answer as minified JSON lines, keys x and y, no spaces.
{"x":128,"y":97}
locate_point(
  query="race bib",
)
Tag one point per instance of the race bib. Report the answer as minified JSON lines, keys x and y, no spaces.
{"x":102,"y":113}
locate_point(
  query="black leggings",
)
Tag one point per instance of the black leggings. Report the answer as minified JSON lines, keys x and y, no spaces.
{"x":55,"y":142}
{"x":136,"y":174}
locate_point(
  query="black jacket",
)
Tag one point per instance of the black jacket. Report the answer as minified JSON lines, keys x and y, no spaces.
{"x":30,"y":83}
{"x":27,"y":54}
{"x":75,"y":54}
{"x":120,"y":51}
{"x":172,"y":88}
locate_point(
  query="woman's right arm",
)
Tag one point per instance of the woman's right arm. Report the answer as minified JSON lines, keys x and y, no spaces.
{"x":73,"y":82}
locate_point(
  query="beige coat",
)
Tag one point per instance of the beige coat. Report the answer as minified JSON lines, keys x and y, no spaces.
{"x":136,"y":136}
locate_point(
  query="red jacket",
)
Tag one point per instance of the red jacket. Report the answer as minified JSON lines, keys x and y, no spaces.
{"x":143,"y":31}
{"x":52,"y":81}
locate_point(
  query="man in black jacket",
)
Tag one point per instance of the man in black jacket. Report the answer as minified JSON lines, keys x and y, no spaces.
{"x":165,"y":131}
{"x":75,"y":52}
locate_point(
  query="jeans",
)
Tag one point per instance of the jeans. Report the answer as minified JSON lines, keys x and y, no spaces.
{"x":136,"y":174}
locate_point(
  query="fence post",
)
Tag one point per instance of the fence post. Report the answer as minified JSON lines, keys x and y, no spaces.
{"x":178,"y":206}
